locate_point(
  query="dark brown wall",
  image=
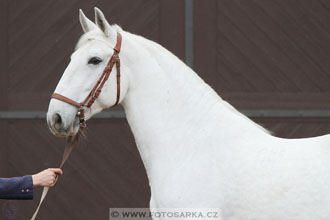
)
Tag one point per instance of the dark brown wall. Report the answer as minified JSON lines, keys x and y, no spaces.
{"x":265,"y":54}
{"x":257,"y":54}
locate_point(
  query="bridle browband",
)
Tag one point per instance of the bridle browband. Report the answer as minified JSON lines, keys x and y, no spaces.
{"x":95,"y":92}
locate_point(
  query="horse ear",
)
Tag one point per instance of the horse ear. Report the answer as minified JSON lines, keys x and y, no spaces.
{"x":86,"y":24}
{"x":103,"y":24}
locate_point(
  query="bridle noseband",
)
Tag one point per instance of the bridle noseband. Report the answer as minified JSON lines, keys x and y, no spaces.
{"x":95,"y":92}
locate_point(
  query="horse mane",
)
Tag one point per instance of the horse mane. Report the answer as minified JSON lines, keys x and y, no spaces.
{"x":155,"y":47}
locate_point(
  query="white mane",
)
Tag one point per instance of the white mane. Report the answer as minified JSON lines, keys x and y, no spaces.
{"x":161,"y":53}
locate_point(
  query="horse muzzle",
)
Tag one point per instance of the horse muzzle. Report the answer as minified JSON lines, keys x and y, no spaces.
{"x":62,"y":123}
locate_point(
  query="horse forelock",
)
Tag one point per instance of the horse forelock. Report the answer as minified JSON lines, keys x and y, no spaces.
{"x":96,"y":34}
{"x":89,"y":36}
{"x":117,"y":27}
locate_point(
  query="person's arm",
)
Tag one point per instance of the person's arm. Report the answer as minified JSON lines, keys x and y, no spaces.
{"x":22,"y":187}
{"x":16,"y":188}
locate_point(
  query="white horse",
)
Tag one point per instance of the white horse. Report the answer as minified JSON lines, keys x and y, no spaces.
{"x":198,"y":151}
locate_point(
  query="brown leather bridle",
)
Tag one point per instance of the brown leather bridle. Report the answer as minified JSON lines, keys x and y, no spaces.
{"x":95,"y":92}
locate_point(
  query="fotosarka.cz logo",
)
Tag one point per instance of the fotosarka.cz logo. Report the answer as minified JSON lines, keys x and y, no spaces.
{"x":165,"y":213}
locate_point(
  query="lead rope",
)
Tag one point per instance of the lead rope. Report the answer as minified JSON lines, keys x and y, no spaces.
{"x":67,"y":151}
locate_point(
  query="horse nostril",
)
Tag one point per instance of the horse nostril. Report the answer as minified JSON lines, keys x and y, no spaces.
{"x":58,"y":121}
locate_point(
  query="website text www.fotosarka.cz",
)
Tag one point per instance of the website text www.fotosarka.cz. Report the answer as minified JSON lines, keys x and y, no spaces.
{"x":164,"y":213}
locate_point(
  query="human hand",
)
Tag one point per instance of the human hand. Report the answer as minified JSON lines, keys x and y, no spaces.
{"x":46,"y":177}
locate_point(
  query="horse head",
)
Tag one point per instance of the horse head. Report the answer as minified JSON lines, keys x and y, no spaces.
{"x":90,"y":64}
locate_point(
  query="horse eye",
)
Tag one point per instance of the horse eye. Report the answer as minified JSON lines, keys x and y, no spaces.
{"x":94,"y":60}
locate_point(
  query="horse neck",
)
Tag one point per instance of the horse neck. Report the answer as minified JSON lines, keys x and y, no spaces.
{"x":170,"y":109}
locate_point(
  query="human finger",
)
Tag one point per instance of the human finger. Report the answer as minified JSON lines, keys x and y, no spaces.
{"x":57,"y":171}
